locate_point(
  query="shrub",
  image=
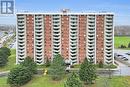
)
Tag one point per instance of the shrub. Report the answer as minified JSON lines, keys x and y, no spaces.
{"x":73,"y":81}
{"x":19,"y":76}
{"x":6,"y":51}
{"x":100,"y":65}
{"x":87,"y":72}
{"x":3,"y":58}
{"x":30,"y":64}
{"x":4,"y":54}
{"x":57,"y":68}
{"x":122,"y":46}
{"x":129,"y":45}
{"x":48,"y":62}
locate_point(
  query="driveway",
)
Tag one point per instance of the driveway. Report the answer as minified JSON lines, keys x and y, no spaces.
{"x":123,"y":70}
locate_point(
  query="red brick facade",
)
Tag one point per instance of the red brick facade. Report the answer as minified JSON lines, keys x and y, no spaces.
{"x":48,"y":36}
{"x":100,"y":38}
{"x":82,"y":37}
{"x":30,"y":35}
{"x":65,"y":36}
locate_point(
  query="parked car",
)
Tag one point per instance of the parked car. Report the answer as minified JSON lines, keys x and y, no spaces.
{"x":128,"y":53}
{"x":124,"y":57}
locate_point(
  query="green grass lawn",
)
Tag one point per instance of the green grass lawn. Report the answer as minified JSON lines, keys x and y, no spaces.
{"x":45,"y":81}
{"x":121,"y":40}
{"x":11,"y":61}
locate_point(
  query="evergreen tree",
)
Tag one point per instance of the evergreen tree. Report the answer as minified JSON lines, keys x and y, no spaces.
{"x":30,"y":64}
{"x":4,"y":54}
{"x":87,"y":72}
{"x":6,"y":51}
{"x":73,"y":81}
{"x":3,"y":58}
{"x":48,"y":62}
{"x":19,"y":76}
{"x":57,"y":68}
{"x":100,"y":64}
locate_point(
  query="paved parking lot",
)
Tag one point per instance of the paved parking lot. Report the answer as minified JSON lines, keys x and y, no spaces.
{"x":123,"y":69}
{"x":120,"y":51}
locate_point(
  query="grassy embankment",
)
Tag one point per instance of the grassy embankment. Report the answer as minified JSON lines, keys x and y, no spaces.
{"x":121,"y":40}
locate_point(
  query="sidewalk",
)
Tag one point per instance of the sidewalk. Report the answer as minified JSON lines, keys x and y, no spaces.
{"x":4,"y":73}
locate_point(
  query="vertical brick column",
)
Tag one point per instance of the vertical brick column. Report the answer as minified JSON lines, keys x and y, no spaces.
{"x":30,"y":35}
{"x":99,"y":38}
{"x":82,"y":38}
{"x":65,"y":36}
{"x":47,"y":36}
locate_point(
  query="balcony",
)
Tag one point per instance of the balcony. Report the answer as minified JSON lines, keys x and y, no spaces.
{"x":109,"y":23}
{"x":73,"y":45}
{"x":108,"y":50}
{"x":57,"y":27}
{"x":21,"y":51}
{"x":109,"y":59}
{"x":20,"y":19}
{"x":109,"y":32}
{"x":39,"y":58}
{"x":91,"y":31}
{"x":91,"y":43}
{"x":91,"y":47}
{"x":21,"y":27}
{"x":90,"y":51}
{"x":73,"y":58}
{"x":109,"y":16}
{"x":56,"y":47}
{"x":21,"y":43}
{"x":56,"y":32}
{"x":73,"y":31}
{"x":21,"y":30}
{"x":91,"y":36}
{"x":56,"y":19}
{"x":21,"y":47}
{"x":38,"y":29}
{"x":73,"y":41}
{"x":38,"y":16}
{"x":56,"y":51}
{"x":73,"y":50}
{"x":21,"y":40}
{"x":56,"y":35}
{"x":91,"y":16}
{"x":39,"y":51}
{"x":38,"y":38}
{"x":38,"y":26}
{"x":56,"y":43}
{"x":38,"y":47}
{"x":109,"y":38}
{"x":21,"y":58}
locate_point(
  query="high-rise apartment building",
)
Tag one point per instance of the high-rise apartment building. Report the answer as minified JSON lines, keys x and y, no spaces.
{"x":73,"y":35}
